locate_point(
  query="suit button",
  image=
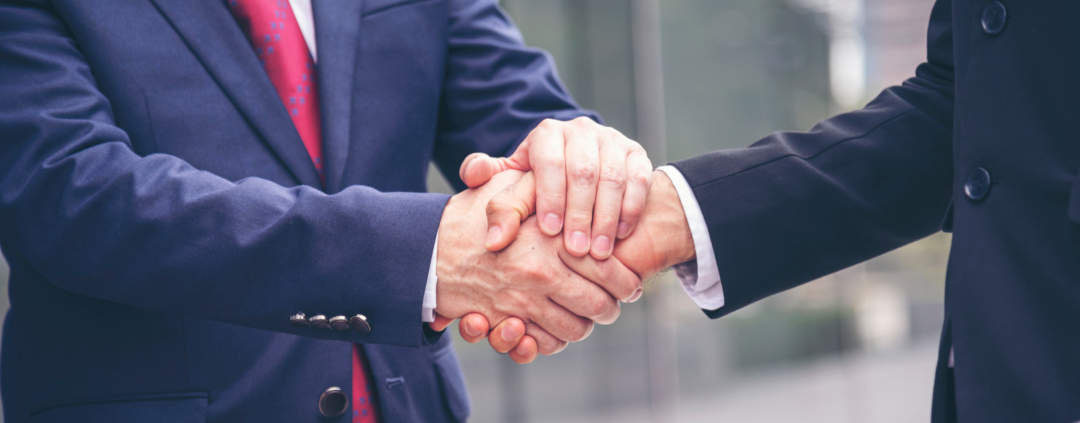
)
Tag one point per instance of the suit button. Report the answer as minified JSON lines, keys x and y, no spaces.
{"x":333,"y":402}
{"x":977,"y":185}
{"x":339,"y":323}
{"x":993,"y":18}
{"x":319,"y":321}
{"x":298,"y":319}
{"x":360,"y":324}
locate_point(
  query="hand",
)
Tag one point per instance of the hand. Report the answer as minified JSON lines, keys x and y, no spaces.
{"x":530,"y":279}
{"x":662,"y":240}
{"x":588,"y":173}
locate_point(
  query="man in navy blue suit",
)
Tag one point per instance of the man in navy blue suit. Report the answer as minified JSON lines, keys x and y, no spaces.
{"x":213,"y":210}
{"x":981,"y":142}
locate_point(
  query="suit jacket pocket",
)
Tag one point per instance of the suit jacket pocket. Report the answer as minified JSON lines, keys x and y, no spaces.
{"x":453,"y":383}
{"x":187,"y":407}
{"x":372,"y":7}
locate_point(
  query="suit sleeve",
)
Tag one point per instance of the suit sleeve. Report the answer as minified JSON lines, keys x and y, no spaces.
{"x":496,"y":88}
{"x":797,"y":206}
{"x":80,"y":208}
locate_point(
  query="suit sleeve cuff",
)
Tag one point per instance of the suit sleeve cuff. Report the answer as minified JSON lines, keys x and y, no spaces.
{"x":700,"y":278}
{"x":427,"y":312}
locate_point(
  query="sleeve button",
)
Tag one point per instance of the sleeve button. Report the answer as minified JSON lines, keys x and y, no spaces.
{"x":319,"y":321}
{"x":339,"y":323}
{"x":298,"y":319}
{"x":360,"y":324}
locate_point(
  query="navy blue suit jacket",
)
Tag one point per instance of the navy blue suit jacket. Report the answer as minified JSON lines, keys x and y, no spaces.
{"x":162,"y":219}
{"x":797,"y":206}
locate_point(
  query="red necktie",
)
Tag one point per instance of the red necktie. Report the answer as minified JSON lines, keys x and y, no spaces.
{"x":280,"y":47}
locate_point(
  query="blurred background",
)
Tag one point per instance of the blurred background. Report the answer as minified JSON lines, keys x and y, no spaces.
{"x":685,"y":77}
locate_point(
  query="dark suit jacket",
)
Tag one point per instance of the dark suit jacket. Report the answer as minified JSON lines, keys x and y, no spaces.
{"x":163,"y":220}
{"x":796,"y":206}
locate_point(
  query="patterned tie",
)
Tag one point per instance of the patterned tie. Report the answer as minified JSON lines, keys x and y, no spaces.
{"x":280,"y":47}
{"x":362,"y":392}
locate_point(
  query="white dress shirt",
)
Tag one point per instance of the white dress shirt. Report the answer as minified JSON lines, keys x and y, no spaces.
{"x":306,"y":22}
{"x":700,"y":277}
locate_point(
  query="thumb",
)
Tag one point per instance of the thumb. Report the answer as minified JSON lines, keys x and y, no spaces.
{"x":507,"y":209}
{"x":478,"y":168}
{"x":440,"y":323}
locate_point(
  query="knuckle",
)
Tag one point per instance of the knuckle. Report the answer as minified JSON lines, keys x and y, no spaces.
{"x":598,"y":306}
{"x":580,"y":331}
{"x":549,"y":162}
{"x":584,"y":173}
{"x":607,"y":271}
{"x":605,"y":220}
{"x":583,"y":121}
{"x":579,"y":219}
{"x":640,"y":177}
{"x":632,"y":211}
{"x":551,"y":197}
{"x":613,"y":177}
{"x":548,"y":124}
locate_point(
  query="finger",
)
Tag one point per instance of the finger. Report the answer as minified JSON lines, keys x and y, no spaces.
{"x":440,"y":323}
{"x":562,"y":323}
{"x":611,"y":275}
{"x":582,"y":172}
{"x":506,"y":335}
{"x":588,"y":300}
{"x":478,"y":168}
{"x":639,"y":178}
{"x":546,"y":343}
{"x":610,"y":190}
{"x":525,"y":351}
{"x":507,"y":209}
{"x":473,"y":327}
{"x":547,"y":159}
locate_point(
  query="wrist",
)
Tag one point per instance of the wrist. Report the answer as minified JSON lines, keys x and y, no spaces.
{"x":675,"y":241}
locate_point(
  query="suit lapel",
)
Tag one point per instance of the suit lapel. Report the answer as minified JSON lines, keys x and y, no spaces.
{"x":337,"y":34}
{"x":213,"y":35}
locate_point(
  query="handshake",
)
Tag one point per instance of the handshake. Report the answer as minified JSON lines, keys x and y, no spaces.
{"x":499,"y":257}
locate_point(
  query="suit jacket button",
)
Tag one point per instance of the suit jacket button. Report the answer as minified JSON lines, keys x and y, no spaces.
{"x":333,"y":402}
{"x":360,"y":324}
{"x":319,"y":321}
{"x":298,"y":319}
{"x":339,"y":323}
{"x":993,"y":18}
{"x":977,"y":186}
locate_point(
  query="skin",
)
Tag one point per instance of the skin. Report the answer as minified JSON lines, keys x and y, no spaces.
{"x":556,"y":295}
{"x":663,"y":239}
{"x":589,"y":176}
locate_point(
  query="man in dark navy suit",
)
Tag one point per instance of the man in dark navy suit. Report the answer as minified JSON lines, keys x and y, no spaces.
{"x":213,"y":210}
{"x":981,"y":142}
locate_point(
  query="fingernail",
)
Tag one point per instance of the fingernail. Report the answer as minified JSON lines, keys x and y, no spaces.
{"x":552,"y":224}
{"x":470,"y":329}
{"x":579,"y":242}
{"x":635,"y":297}
{"x":522,"y":350}
{"x":494,"y":233}
{"x":624,"y":230}
{"x":509,"y":333}
{"x":602,"y":245}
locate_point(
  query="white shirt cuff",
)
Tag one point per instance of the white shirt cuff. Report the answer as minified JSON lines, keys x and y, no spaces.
{"x":700,"y":278}
{"x":427,"y":313}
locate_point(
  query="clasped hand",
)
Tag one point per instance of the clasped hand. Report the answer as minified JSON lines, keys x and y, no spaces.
{"x":499,"y":259}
